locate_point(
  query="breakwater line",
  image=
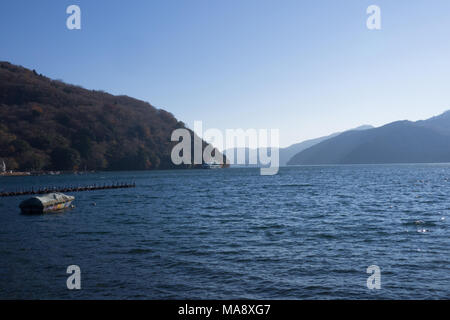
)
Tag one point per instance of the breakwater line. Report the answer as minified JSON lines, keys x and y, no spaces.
{"x":45,"y":190}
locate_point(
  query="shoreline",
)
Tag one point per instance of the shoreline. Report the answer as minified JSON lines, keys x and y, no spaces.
{"x":38,"y":173}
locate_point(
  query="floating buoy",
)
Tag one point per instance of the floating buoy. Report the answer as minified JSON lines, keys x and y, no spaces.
{"x":47,"y":203}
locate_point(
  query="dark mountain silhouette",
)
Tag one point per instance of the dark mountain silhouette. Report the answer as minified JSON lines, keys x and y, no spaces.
{"x":287,"y":153}
{"x":425,"y":141}
{"x":47,"y":124}
{"x":439,"y":123}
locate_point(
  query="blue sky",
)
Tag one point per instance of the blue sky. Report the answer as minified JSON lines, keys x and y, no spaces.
{"x":308,"y":68}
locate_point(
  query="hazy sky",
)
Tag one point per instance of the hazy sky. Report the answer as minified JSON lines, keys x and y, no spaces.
{"x":309,"y":68}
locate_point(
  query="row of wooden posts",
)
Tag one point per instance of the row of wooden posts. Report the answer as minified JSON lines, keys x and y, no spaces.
{"x":45,"y":190}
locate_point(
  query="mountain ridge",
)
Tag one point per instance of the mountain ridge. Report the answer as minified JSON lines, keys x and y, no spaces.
{"x":285,"y":154}
{"x":396,"y":142}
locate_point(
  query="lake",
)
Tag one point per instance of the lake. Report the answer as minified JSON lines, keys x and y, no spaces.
{"x":307,"y":233}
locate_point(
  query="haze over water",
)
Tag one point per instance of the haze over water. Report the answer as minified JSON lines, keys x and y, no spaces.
{"x":306,"y":233}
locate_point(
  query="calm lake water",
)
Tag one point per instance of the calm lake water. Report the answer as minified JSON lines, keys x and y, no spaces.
{"x":306,"y":233}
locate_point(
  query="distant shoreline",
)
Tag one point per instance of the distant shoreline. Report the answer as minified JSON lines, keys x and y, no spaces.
{"x":35,"y":173}
{"x":61,"y":172}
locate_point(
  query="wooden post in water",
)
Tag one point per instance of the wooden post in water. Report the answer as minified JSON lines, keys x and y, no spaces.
{"x":44,"y":190}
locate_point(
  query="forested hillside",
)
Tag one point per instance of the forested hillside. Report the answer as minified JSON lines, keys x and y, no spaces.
{"x":50,"y":125}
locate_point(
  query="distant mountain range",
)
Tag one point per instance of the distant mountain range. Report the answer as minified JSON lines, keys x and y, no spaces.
{"x":46,"y":124}
{"x":287,"y":153}
{"x":425,"y":141}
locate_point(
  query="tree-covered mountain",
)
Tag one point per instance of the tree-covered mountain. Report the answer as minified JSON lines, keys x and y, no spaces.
{"x":426,"y":141}
{"x":50,"y":125}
